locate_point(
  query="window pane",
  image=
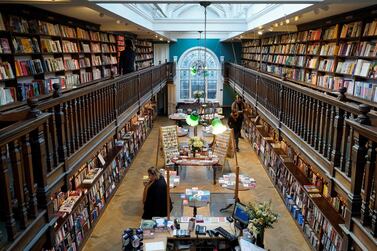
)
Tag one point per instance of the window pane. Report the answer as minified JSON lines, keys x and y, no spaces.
{"x":211,"y":94}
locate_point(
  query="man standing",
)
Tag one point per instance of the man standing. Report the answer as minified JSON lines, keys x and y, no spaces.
{"x":239,"y":106}
{"x":127,"y":58}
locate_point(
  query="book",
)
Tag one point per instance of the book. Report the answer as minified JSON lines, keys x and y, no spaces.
{"x":4,"y":46}
{"x":2,"y":26}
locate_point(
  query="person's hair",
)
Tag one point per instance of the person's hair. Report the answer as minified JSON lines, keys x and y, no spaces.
{"x":154,"y":172}
{"x":129,"y":43}
{"x":234,"y":113}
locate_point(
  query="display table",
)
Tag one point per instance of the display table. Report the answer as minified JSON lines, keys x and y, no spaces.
{"x":178,"y":116}
{"x":196,"y":198}
{"x":182,"y":131}
{"x":161,"y":240}
{"x":197,"y":161}
{"x":229,"y":181}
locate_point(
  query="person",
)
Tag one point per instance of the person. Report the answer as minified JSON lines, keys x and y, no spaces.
{"x":239,"y":106}
{"x":235,"y":123}
{"x":127,"y":58}
{"x":154,"y":197}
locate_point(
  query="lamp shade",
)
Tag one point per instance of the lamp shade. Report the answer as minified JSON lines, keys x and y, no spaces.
{"x":217,"y":126}
{"x":192,"y":119}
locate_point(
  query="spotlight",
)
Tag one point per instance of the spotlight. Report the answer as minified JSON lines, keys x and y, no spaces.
{"x":156,"y":36}
{"x":296,"y":18}
{"x":101,"y":14}
{"x":118,"y":21}
{"x":281,"y":23}
{"x":270,"y":29}
{"x":276,"y":25}
{"x":161,"y":39}
{"x":168,"y":41}
{"x":287,"y":21}
{"x":260,"y":32}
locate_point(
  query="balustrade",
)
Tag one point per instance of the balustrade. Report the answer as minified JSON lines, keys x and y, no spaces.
{"x":338,"y":131}
{"x":52,"y":131}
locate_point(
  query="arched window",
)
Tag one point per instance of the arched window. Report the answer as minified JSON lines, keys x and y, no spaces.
{"x":191,"y":74}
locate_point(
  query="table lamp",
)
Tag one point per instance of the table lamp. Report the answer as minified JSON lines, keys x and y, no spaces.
{"x":192,"y":119}
{"x":217,"y":126}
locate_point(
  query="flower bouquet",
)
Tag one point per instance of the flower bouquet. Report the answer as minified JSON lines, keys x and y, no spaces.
{"x":196,"y":144}
{"x":261,"y":217}
{"x":198,"y":94}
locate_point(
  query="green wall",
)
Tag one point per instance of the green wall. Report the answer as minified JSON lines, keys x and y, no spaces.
{"x":230,"y":51}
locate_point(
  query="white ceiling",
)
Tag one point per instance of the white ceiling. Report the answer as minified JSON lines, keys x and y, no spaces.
{"x":169,"y":20}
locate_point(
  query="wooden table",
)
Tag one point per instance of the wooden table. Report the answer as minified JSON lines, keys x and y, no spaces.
{"x":210,"y":223}
{"x":197,"y":161}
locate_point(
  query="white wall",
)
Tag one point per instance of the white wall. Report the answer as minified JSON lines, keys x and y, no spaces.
{"x":161,"y":52}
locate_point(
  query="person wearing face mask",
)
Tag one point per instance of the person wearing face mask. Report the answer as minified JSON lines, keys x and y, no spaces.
{"x":154,"y":196}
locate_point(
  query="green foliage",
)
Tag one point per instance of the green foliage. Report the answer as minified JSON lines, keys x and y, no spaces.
{"x":261,"y":216}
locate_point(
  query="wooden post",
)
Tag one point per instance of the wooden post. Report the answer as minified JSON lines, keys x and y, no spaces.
{"x":237,"y":167}
{"x":168,"y":191}
{"x":158,"y":146}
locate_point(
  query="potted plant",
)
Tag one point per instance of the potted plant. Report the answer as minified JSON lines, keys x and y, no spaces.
{"x":196,"y":144}
{"x":197,"y":95}
{"x":261,"y":217}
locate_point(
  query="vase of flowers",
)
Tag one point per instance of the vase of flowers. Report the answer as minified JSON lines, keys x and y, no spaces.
{"x":197,"y":95}
{"x":195,"y":143}
{"x":261,"y":217}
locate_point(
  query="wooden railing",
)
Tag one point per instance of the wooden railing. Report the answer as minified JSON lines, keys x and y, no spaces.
{"x":318,"y":123}
{"x":41,"y":150}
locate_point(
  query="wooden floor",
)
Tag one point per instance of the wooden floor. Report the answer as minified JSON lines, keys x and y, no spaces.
{"x":126,"y":208}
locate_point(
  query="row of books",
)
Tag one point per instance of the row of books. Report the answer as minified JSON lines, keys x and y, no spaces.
{"x":331,"y":33}
{"x":6,"y":71}
{"x":49,"y":45}
{"x":22,"y":25}
{"x":351,"y":30}
{"x":25,"y":45}
{"x":28,"y":67}
{"x":362,"y":49}
{"x":7,"y":95}
{"x":4,"y":46}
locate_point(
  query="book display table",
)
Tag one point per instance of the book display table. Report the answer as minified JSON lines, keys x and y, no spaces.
{"x":229,"y":181}
{"x":196,"y":198}
{"x":197,"y":161}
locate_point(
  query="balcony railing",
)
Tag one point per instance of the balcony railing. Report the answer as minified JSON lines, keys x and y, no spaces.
{"x":325,"y":128}
{"x":44,"y":147}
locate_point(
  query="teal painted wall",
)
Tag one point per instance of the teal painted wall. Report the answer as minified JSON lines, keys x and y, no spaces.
{"x":219,"y":48}
{"x":230,"y":51}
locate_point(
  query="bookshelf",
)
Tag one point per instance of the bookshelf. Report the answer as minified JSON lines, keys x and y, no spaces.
{"x":144,"y":54}
{"x":331,"y":55}
{"x":79,"y":206}
{"x":39,"y":51}
{"x":316,"y":211}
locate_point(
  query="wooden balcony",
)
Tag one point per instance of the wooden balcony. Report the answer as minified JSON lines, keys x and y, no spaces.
{"x":335,"y":135}
{"x":47,"y":141}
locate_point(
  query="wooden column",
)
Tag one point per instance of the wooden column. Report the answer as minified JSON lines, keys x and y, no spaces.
{"x":39,"y":160}
{"x":29,"y":176}
{"x":359,"y":151}
{"x":15,"y":155}
{"x":368,"y":179}
{"x":337,"y":138}
{"x":5,"y":195}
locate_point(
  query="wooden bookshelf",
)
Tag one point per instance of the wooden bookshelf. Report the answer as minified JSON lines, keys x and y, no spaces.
{"x":316,"y":213}
{"x":144,"y":54}
{"x":38,"y":51}
{"x":326,"y":56}
{"x":96,"y":193}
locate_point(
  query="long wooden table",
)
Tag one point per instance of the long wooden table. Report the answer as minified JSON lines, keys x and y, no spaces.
{"x":168,"y":235}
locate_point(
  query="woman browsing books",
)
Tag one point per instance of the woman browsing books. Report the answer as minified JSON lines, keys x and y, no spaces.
{"x":154,"y":196}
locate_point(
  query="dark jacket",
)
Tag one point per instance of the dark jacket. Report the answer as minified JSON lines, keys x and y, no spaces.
{"x":155,"y":202}
{"x":127,"y":61}
{"x":235,"y":123}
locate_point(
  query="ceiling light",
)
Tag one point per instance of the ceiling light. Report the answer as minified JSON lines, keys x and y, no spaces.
{"x":296,"y":18}
{"x":260,"y":27}
{"x":168,"y":41}
{"x":270,"y":29}
{"x":260,"y":32}
{"x":287,"y":21}
{"x":241,"y":36}
{"x":118,"y":21}
{"x":161,"y":39}
{"x":156,"y":36}
{"x":276,"y":25}
{"x":281,"y":23}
